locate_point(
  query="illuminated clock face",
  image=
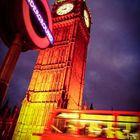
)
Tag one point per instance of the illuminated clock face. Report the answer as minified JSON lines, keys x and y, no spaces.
{"x":86,"y":17}
{"x":65,"y":9}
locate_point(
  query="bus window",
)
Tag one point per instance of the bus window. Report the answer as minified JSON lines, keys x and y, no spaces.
{"x":68,"y":115}
{"x":127,"y":131}
{"x":100,"y":125}
{"x":128,"y":128}
{"x":105,"y":117}
{"x":91,"y":128}
{"x":58,"y":125}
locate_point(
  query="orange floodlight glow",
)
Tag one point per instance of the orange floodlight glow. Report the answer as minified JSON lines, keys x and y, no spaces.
{"x":69,"y":115}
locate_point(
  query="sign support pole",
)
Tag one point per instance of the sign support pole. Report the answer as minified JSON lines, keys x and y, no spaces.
{"x":9,"y":65}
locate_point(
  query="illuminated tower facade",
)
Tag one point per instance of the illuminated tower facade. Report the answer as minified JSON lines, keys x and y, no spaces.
{"x":58,"y":77}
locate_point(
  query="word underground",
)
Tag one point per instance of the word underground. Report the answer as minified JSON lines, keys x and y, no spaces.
{"x":36,"y":12}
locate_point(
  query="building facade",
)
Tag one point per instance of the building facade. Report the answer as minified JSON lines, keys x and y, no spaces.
{"x":8,"y":119}
{"x":58,"y":76}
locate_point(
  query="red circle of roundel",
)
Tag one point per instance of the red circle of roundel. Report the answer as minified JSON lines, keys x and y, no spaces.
{"x":40,"y":42}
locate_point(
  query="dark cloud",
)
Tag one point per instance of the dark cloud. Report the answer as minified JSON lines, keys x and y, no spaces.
{"x":114,"y":55}
{"x":3,"y":51}
{"x":113,"y":63}
{"x":22,"y":76}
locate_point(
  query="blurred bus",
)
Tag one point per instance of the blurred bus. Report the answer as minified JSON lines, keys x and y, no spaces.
{"x":93,"y":124}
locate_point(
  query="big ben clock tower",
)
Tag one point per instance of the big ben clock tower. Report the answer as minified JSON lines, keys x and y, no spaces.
{"x":58,"y":77}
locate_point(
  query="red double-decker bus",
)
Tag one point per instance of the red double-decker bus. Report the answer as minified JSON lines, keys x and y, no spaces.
{"x":93,"y":124}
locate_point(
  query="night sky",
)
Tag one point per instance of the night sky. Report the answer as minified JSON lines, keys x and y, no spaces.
{"x":113,"y":63}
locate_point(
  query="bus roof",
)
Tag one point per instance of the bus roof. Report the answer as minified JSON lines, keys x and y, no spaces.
{"x":113,"y":112}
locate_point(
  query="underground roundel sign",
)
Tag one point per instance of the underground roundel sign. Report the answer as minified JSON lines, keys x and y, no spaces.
{"x":38,"y":22}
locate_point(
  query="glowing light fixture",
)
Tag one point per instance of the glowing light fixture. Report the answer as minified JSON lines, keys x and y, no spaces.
{"x":69,"y":115}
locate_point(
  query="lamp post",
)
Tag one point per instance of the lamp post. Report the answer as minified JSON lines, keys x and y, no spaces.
{"x":9,"y":65}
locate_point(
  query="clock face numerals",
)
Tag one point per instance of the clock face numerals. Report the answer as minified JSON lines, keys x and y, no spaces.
{"x":65,"y":9}
{"x":86,"y":18}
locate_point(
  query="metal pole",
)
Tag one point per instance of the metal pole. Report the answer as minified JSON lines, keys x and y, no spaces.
{"x":9,"y":65}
